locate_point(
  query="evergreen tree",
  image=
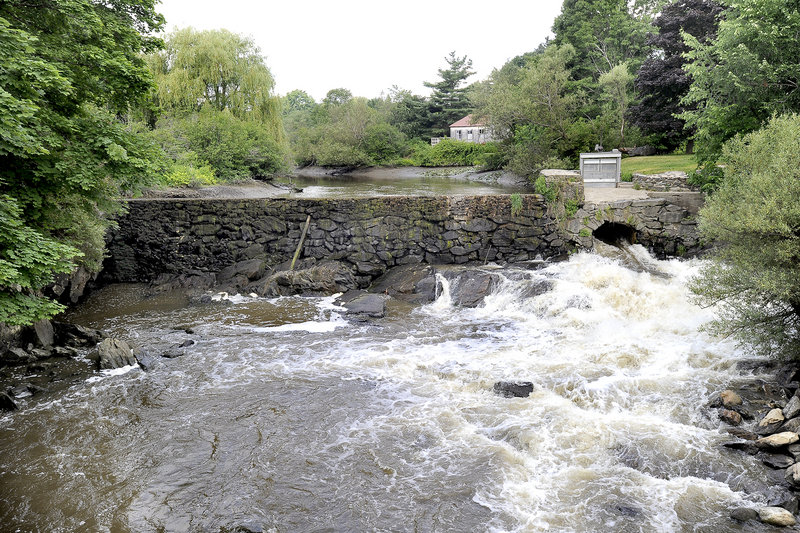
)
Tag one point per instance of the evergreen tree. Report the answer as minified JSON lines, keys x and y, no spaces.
{"x":449,"y":101}
{"x":662,"y":81}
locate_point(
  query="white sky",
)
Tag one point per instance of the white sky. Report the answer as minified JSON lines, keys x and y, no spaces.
{"x":368,"y":46}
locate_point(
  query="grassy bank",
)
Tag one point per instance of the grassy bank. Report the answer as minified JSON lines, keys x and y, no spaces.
{"x":655,"y":164}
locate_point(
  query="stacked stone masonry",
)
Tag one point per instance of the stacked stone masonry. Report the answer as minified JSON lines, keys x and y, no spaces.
{"x":371,"y":234}
{"x":666,"y":181}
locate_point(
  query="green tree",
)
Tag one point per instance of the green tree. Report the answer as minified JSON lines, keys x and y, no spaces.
{"x":744,"y":76}
{"x":297,"y":100}
{"x":218,"y":80}
{"x":409,"y":114}
{"x":533,"y":110}
{"x":662,"y":81}
{"x":68,"y":70}
{"x":217,"y":68}
{"x":754,"y":219}
{"x":617,"y":84}
{"x":604,"y":34}
{"x":337,"y":97}
{"x":449,"y":101}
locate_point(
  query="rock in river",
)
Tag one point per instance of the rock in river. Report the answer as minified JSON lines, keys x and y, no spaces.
{"x":513,"y":389}
{"x":363,"y":304}
{"x":773,"y":442}
{"x":730,"y":399}
{"x":776,"y":516}
{"x":113,"y":353}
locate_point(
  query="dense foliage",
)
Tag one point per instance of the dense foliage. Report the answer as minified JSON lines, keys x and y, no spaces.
{"x":754,"y":218}
{"x":745,"y":75}
{"x":214,"y":108}
{"x":662,"y":81}
{"x":68,"y":70}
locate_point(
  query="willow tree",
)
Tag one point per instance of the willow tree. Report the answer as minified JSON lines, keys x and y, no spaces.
{"x":218,"y":78}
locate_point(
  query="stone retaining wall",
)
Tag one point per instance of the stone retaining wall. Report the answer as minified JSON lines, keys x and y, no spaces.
{"x":666,"y":181}
{"x":371,"y":234}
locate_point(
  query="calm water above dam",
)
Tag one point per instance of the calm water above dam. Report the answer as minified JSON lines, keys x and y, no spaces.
{"x":287,"y":417}
{"x":393,"y":184}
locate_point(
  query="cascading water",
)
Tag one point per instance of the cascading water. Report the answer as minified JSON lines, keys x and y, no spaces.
{"x":287,"y":417}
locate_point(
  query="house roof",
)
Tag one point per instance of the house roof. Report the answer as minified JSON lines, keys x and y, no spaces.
{"x":466,"y":121}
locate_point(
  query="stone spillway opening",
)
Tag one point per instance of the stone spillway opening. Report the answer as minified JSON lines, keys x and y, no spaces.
{"x":613,"y":232}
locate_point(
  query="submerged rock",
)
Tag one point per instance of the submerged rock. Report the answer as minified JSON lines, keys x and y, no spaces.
{"x":743,"y":514}
{"x":113,"y":353}
{"x":145,"y":359}
{"x":513,"y":389}
{"x":776,"y":516}
{"x":322,"y":279}
{"x":7,"y":403}
{"x":746,"y":446}
{"x":363,"y":304}
{"x":777,"y":461}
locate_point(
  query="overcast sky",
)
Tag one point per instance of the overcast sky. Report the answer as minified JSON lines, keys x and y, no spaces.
{"x":369,"y":45}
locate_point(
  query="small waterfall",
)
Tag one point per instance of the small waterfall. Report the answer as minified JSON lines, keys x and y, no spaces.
{"x":443,"y":298}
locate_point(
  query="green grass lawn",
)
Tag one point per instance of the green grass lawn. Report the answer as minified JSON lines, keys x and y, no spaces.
{"x":655,"y":164}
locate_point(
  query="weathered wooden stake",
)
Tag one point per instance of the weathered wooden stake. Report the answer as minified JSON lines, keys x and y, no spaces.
{"x":300,"y":244}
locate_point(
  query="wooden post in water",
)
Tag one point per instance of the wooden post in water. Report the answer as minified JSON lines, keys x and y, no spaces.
{"x":300,"y":244}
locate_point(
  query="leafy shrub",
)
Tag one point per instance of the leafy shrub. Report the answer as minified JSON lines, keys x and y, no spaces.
{"x":450,"y":153}
{"x":383,"y":143}
{"x":335,"y":154}
{"x":233,"y":148}
{"x":753,"y":218}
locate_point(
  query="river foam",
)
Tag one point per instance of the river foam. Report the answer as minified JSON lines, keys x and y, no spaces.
{"x":286,"y":415}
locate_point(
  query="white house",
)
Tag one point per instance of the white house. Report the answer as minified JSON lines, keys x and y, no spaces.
{"x":469,"y":131}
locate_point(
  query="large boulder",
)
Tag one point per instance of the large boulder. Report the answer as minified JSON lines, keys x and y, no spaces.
{"x":75,"y":335}
{"x":363,"y":304}
{"x":235,"y":276}
{"x":771,"y":422}
{"x":469,"y":288}
{"x":414,"y":283}
{"x":113,"y":353}
{"x":322,"y":279}
{"x":192,"y":282}
{"x":7,"y":403}
{"x":792,"y":408}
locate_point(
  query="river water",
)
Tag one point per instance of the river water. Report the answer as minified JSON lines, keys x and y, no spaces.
{"x":286,"y":417}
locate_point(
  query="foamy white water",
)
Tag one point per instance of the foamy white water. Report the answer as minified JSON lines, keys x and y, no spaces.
{"x":286,"y":416}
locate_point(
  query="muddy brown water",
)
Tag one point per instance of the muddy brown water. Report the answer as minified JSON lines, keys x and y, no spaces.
{"x":286,"y":417}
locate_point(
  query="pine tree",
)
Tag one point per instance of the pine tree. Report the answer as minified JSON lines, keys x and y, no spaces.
{"x":449,"y":101}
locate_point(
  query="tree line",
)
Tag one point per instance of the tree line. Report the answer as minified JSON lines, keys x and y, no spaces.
{"x":94,"y":105}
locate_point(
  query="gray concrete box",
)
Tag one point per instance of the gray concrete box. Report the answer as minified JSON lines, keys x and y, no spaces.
{"x":601,"y":169}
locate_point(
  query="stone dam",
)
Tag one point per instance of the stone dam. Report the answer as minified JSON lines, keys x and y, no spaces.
{"x":372,"y":235}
